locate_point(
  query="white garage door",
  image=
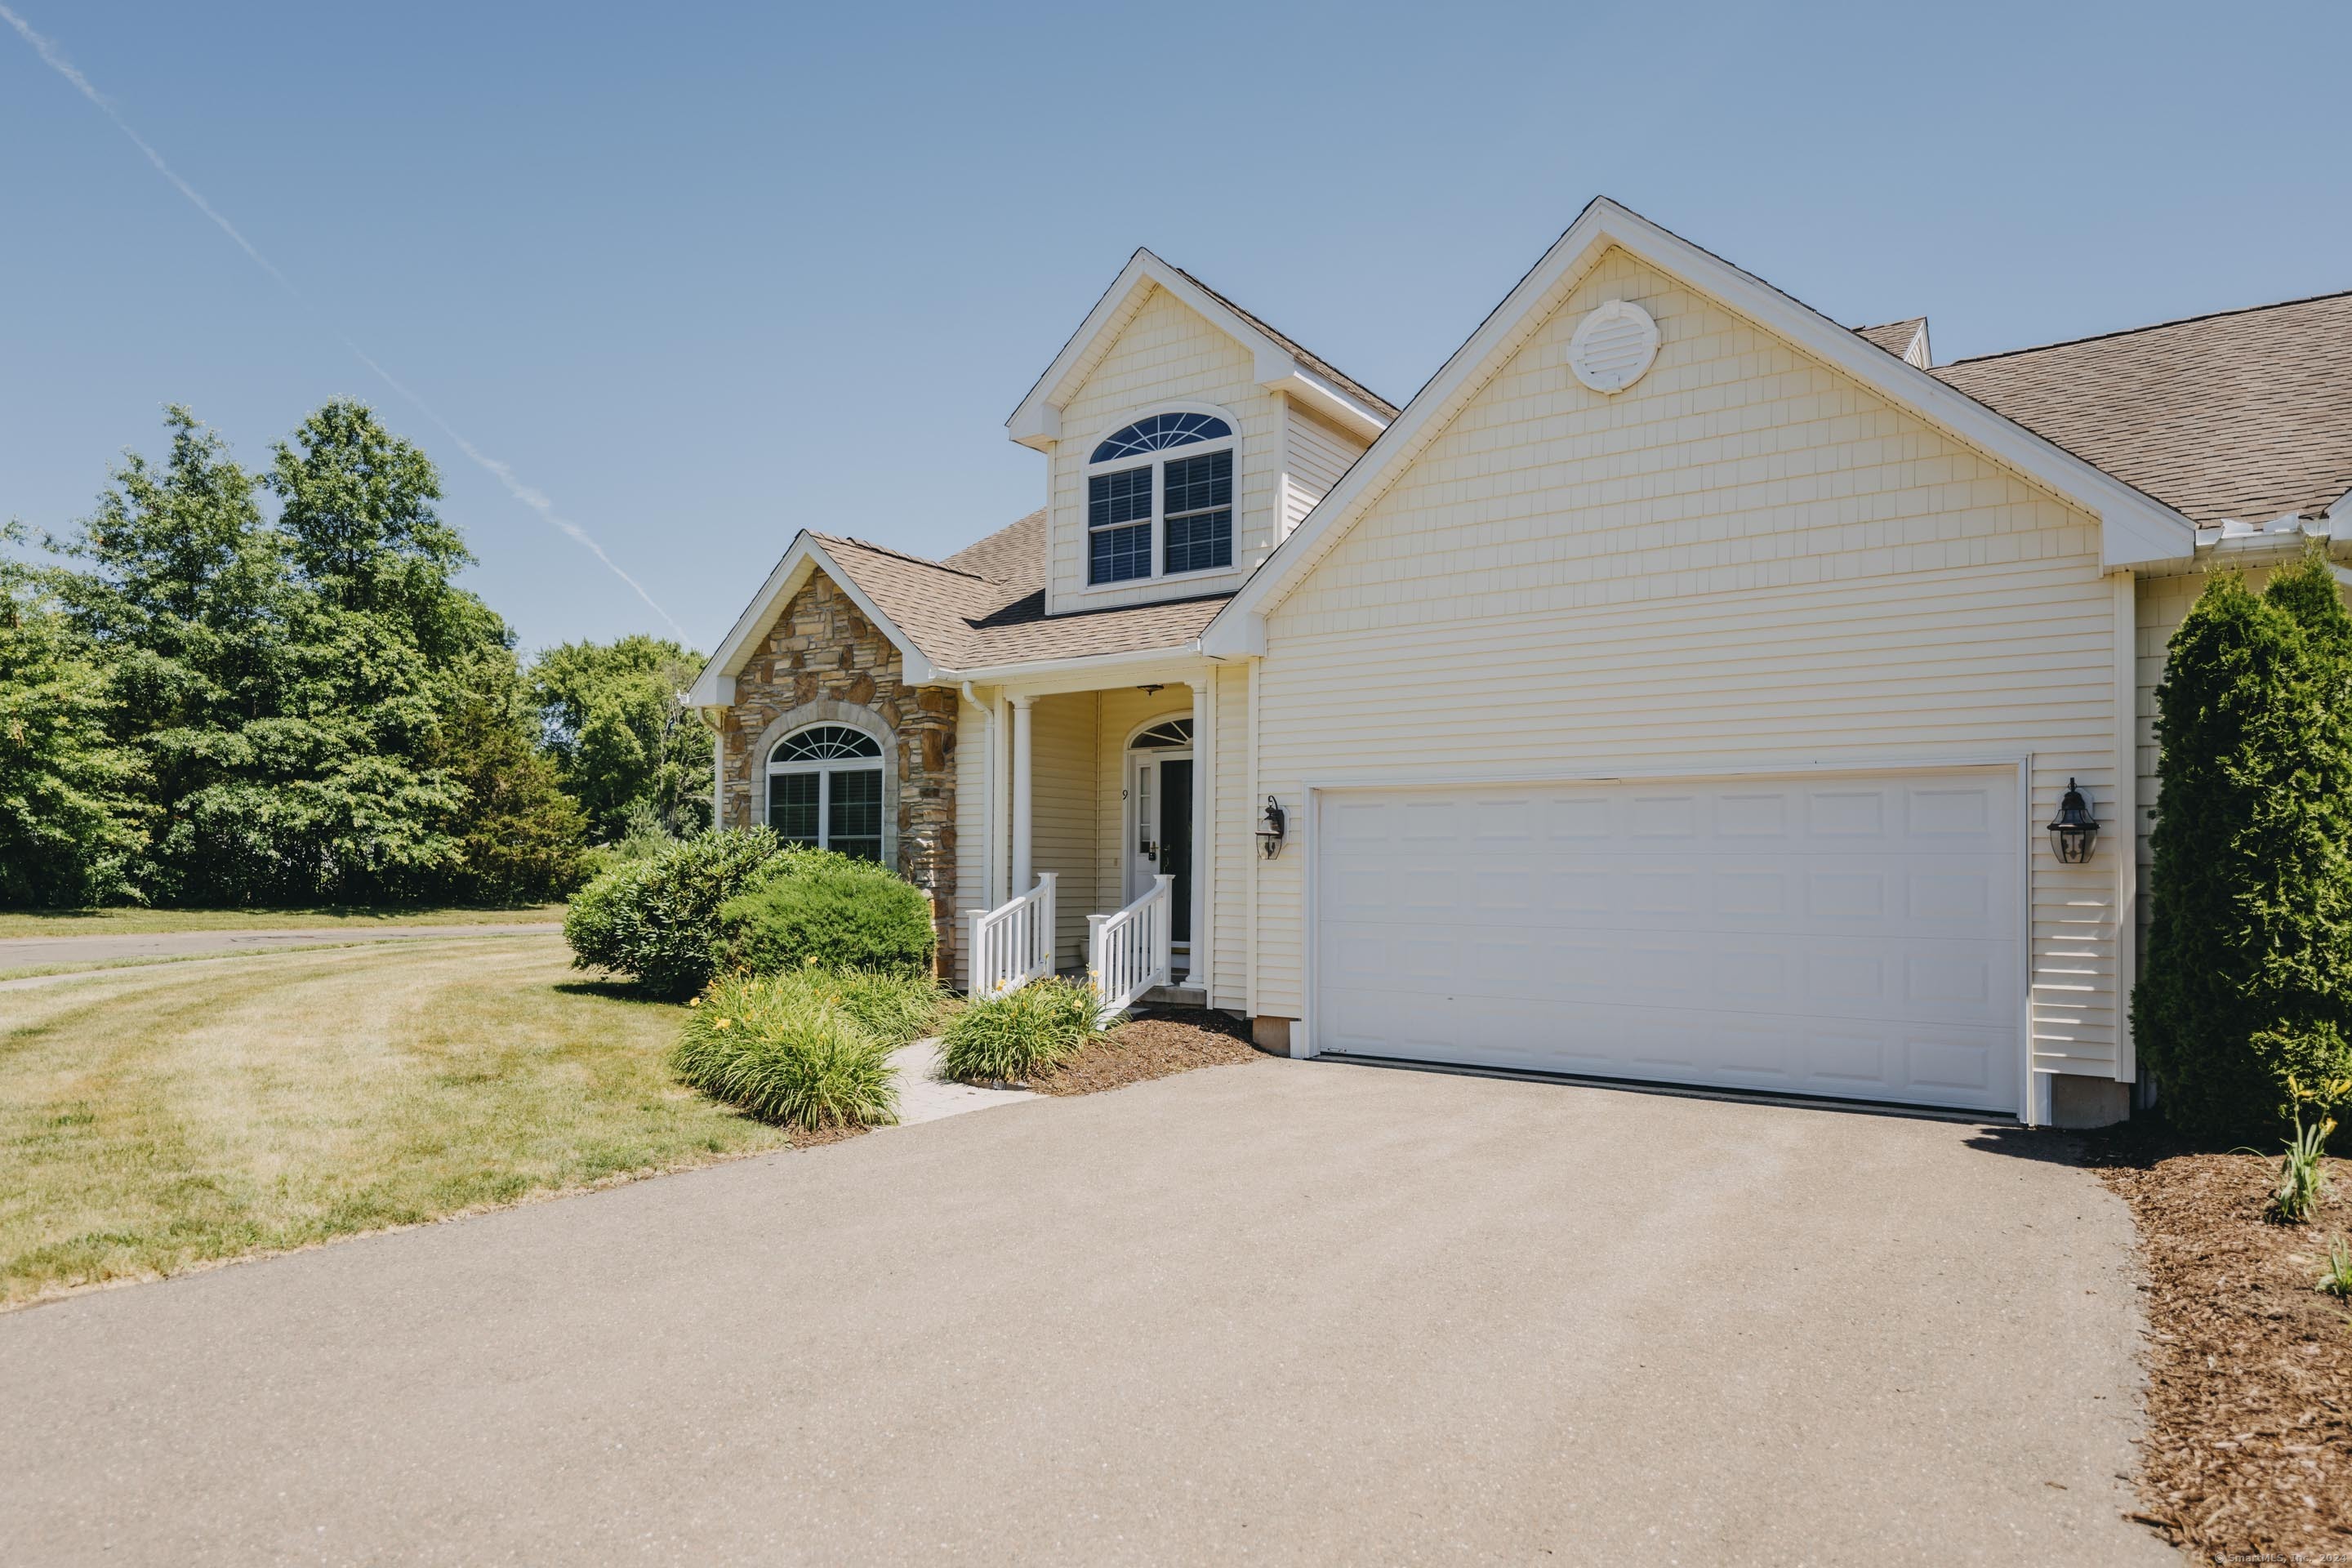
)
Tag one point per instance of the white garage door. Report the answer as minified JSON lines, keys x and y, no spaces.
{"x":1842,"y":936}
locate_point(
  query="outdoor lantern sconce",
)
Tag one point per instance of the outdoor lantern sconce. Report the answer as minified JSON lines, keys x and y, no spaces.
{"x":2074,"y":831}
{"x":1271,"y":824}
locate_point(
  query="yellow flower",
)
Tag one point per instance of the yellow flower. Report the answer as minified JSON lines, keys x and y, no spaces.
{"x":694,"y":1001}
{"x":724,"y":1022}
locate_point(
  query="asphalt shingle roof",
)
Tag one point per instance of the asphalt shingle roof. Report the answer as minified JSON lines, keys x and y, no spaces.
{"x":1895,"y":337}
{"x":2246,"y":414}
{"x":986,"y":605}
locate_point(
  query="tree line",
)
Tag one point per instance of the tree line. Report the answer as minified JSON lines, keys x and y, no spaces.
{"x":207,"y":702}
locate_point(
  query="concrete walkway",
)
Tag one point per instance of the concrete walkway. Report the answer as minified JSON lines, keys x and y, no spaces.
{"x":925,"y":1096}
{"x":1284,"y":1312}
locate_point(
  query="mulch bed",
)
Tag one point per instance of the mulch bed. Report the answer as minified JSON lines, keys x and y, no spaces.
{"x":1157,"y":1042}
{"x":2248,"y":1444}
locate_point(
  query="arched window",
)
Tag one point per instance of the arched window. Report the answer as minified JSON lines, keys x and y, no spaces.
{"x":825,"y":788}
{"x":1165,"y":736}
{"x":1186,"y":501}
{"x":1158,"y":433}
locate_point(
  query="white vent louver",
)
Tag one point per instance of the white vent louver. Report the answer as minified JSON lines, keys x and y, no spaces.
{"x":1613,"y":346}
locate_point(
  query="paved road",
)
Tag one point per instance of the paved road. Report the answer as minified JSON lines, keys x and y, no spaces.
{"x":33,"y":952}
{"x":1286,"y":1312}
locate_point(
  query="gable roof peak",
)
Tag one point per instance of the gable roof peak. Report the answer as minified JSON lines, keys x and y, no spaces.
{"x":2136,"y":528}
{"x":1278,"y":362}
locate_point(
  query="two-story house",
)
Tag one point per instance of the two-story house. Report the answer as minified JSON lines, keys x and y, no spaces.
{"x":1677,"y":688}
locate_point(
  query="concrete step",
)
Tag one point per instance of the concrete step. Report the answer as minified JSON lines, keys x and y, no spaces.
{"x":1176,"y":996}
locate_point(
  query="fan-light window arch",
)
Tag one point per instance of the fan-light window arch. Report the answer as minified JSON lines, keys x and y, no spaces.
{"x":1166,"y":736}
{"x":1158,"y":433}
{"x":1179,"y":508}
{"x":825,"y":788}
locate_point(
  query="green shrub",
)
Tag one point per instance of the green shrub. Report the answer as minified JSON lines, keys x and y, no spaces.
{"x":2249,"y":971}
{"x":656,"y":920}
{"x":1020,"y":1032}
{"x":784,"y":1053}
{"x":812,"y":906}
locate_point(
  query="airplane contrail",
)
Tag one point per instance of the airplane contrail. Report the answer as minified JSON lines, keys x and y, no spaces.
{"x":535,"y":498}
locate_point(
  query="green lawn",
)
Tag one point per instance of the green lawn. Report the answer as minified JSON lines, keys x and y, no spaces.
{"x":148,"y":922}
{"x":158,"y":1118}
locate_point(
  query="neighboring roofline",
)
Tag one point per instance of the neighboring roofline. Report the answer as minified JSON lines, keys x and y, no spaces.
{"x":2151,"y":327}
{"x":1275,"y":364}
{"x":2135,"y":527}
{"x":806,"y":556}
{"x":1914,"y":348}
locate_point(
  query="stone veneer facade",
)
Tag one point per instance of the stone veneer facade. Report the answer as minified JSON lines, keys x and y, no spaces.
{"x":824,"y":661}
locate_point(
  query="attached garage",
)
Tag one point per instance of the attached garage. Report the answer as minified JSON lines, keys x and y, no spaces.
{"x":1850,"y":935}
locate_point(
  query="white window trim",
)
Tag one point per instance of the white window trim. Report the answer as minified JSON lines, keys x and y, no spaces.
{"x":845,"y":715}
{"x":1159,"y":519}
{"x":827,"y":767}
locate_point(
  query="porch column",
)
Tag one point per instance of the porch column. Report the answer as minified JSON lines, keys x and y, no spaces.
{"x":1196,"y":957}
{"x":1021,"y":878}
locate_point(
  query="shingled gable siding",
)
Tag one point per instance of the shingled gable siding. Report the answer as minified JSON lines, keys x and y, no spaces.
{"x":1165,"y":354}
{"x":1743,"y":563}
{"x":821,"y":651}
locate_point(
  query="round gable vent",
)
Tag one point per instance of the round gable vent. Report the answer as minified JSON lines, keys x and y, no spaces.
{"x":1613,"y":346}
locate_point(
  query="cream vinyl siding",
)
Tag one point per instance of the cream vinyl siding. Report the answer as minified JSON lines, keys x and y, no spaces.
{"x":972,"y":739}
{"x":1165,"y":354}
{"x":1234,"y":829}
{"x":1317,"y":455}
{"x":1064,"y":824}
{"x":1743,"y":564}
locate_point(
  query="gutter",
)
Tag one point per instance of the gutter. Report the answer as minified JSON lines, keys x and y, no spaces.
{"x":998,"y":674}
{"x":2233,"y":542}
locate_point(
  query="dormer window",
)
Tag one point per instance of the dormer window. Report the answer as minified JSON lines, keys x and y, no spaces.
{"x":1178,"y":509}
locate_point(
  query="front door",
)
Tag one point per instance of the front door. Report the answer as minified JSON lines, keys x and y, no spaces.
{"x":1161,"y":845}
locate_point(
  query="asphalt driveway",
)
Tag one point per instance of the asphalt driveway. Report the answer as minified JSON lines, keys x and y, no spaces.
{"x":1287,"y":1311}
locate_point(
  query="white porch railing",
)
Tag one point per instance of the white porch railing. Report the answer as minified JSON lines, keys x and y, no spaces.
{"x":1012,"y":944}
{"x":1129,"y":953}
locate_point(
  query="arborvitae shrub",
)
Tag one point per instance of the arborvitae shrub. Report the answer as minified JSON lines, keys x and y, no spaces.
{"x":2248,"y":964}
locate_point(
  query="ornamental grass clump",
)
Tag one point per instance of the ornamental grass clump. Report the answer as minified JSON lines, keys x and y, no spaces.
{"x":892,"y":1008}
{"x":787,"y":1053}
{"x":2337,"y":1280}
{"x":2303,"y":1169}
{"x":1022,"y":1032}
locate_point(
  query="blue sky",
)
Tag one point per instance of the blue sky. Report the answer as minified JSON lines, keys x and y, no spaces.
{"x":706,"y":274}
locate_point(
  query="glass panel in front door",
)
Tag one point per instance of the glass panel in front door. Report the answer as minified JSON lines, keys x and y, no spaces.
{"x":1176,"y":844}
